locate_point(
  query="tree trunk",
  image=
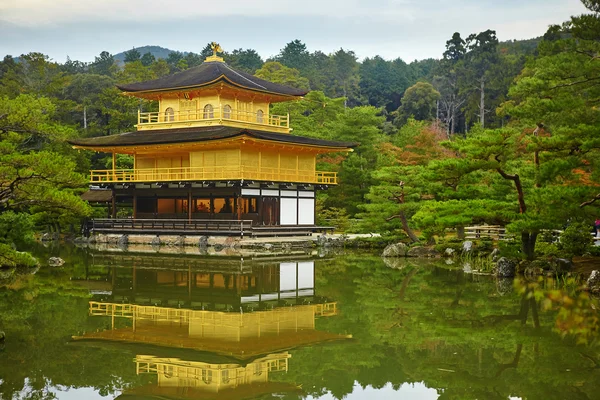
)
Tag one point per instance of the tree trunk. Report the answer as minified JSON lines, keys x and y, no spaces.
{"x":406,"y":228}
{"x":482,"y":102}
{"x":84,"y":117}
{"x":528,"y":244}
{"x":460,"y":232}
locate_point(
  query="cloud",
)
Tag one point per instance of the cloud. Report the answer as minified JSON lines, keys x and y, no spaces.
{"x":410,"y":30}
{"x":35,"y":12}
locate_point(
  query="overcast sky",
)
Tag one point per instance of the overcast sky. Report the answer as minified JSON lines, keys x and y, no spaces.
{"x":410,"y":29}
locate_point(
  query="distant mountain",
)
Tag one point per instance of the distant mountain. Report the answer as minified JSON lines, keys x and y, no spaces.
{"x":156,"y":51}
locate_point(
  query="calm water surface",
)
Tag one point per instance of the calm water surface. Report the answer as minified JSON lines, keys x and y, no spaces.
{"x":153,"y":326}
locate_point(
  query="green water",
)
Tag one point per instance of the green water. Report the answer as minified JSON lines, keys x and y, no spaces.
{"x":419,"y":331}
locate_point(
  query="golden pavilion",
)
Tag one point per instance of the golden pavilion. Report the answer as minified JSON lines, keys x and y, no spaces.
{"x":213,"y":152}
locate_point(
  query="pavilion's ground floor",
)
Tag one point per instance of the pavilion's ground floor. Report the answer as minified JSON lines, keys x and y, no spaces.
{"x":208,"y":206}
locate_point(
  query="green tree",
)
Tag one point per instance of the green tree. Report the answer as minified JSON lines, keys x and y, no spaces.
{"x":103,"y":64}
{"x":37,"y":184}
{"x":247,"y":60}
{"x":346,"y":69}
{"x":383,"y":82}
{"x":147,"y":59}
{"x":160,"y":68}
{"x":132,"y":55}
{"x":11,"y":77}
{"x":481,"y":56}
{"x":294,"y":55}
{"x":40,"y":75}
{"x":276,"y":72}
{"x":419,"y":102}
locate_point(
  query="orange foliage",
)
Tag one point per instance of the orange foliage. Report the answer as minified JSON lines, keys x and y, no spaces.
{"x":425,"y":147}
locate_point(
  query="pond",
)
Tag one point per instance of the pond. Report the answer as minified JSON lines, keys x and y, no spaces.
{"x":306,"y":326}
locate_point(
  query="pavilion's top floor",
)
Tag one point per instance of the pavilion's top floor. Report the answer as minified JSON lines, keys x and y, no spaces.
{"x":211,"y":94}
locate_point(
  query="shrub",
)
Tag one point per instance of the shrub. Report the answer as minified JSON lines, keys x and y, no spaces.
{"x":576,"y":239}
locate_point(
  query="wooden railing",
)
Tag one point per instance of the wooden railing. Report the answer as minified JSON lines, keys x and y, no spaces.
{"x":218,"y":115}
{"x":173,"y":226}
{"x":219,"y":227}
{"x":494,"y":232}
{"x":212,"y":173}
{"x":223,"y":318}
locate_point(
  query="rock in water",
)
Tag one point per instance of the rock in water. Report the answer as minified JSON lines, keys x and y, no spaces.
{"x":593,"y":282}
{"x":2,"y":336}
{"x":155,"y":241}
{"x":561,"y":265}
{"x":203,"y":242}
{"x":495,"y":254}
{"x":467,"y":246}
{"x":421,"y":251}
{"x":395,"y":250}
{"x":449,"y":251}
{"x":56,"y":262}
{"x":505,"y":268}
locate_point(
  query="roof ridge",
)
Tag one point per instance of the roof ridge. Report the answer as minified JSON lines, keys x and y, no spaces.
{"x":242,"y":76}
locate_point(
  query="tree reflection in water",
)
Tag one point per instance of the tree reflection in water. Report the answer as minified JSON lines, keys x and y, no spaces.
{"x":457,"y":333}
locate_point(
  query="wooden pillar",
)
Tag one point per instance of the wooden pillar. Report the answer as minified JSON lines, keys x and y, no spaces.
{"x":114,"y":165}
{"x":190,"y":205}
{"x":114,"y":204}
{"x":134,"y":204}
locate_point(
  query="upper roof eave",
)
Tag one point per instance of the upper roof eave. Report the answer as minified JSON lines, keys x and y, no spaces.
{"x":208,"y":73}
{"x":206,"y":85}
{"x":202,"y":134}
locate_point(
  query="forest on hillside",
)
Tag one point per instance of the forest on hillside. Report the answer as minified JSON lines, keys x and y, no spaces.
{"x":498,"y":133}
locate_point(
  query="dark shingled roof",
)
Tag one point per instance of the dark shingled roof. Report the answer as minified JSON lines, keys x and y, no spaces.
{"x":202,"y":134}
{"x":209,"y":73}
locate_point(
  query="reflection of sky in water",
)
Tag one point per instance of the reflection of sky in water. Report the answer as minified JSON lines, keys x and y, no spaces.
{"x":86,"y":393}
{"x":406,"y":391}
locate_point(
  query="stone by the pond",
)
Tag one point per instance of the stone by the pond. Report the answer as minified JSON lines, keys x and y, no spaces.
{"x":177,"y":241}
{"x":593,"y":282}
{"x":505,"y":268}
{"x":561,"y":265}
{"x":449,"y":251}
{"x":47,"y":237}
{"x":321,"y":240}
{"x":123,"y":240}
{"x":56,"y":262}
{"x":467,"y":246}
{"x":203,"y":242}
{"x":155,"y":241}
{"x":495,"y":254}
{"x":2,"y":336}
{"x":422,"y":251}
{"x":395,"y":250}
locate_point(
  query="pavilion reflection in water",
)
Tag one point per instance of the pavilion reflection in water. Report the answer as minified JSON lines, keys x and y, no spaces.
{"x":182,"y":379}
{"x":250,"y":316}
{"x":206,"y":283}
